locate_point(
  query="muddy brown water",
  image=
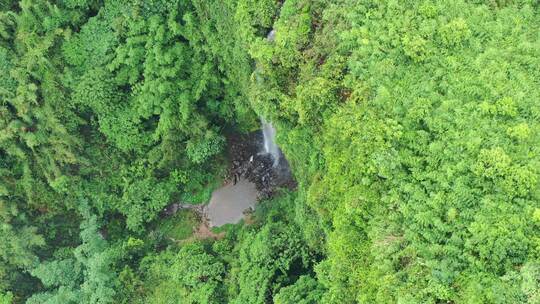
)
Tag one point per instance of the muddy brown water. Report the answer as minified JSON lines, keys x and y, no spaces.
{"x":229,"y":202}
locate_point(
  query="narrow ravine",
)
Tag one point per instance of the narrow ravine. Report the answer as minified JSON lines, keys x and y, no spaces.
{"x":258,"y":169}
{"x":230,"y":202}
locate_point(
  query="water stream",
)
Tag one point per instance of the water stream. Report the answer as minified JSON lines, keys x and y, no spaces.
{"x":271,"y":35}
{"x":269,"y":137}
{"x":268,"y":130}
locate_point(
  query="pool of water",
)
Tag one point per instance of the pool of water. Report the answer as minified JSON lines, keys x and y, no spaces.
{"x":229,"y":202}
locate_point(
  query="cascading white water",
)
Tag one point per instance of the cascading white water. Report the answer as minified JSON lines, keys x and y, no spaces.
{"x":269,"y":136}
{"x":269,"y":132}
{"x":271,"y":36}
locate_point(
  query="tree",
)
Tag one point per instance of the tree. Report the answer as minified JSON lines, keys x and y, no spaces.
{"x":306,"y":290}
{"x":191,"y":276}
{"x":83,"y":277}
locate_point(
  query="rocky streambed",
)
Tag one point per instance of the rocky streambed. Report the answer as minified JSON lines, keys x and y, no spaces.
{"x":249,"y":161}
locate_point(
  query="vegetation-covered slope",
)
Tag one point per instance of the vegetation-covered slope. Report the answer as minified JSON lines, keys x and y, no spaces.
{"x":424,"y":121}
{"x":412,"y":128}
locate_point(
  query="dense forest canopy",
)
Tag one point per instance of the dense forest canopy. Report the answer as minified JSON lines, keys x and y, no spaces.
{"x":411,"y":127}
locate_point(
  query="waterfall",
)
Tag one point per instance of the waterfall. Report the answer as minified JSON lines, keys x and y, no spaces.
{"x":271,"y":36}
{"x":269,"y":132}
{"x":269,"y":136}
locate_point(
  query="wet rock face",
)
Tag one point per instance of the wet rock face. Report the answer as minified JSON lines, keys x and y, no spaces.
{"x":249,"y":161}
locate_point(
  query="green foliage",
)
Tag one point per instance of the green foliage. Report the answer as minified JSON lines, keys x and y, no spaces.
{"x":180,"y":226}
{"x":415,"y":150}
{"x":199,"y":275}
{"x":411,"y":129}
{"x":201,"y":150}
{"x":271,"y":257}
{"x":238,"y":268}
{"x":6,"y":298}
{"x":530,"y":285}
{"x":275,"y":250}
{"x":131,"y":287}
{"x":306,"y":290}
{"x":191,"y":276}
{"x":84,"y":278}
{"x":58,"y":273}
